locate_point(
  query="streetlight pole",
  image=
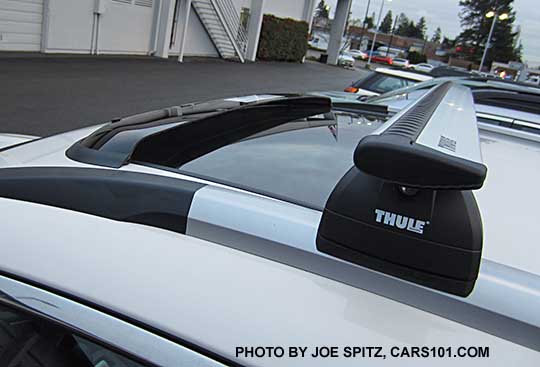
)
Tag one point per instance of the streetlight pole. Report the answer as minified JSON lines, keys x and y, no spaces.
{"x":364,"y":24}
{"x":495,"y":15}
{"x":376,"y":31}
{"x":392,"y":35}
{"x":488,"y":42}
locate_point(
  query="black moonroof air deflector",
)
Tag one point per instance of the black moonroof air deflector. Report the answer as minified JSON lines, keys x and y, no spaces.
{"x":176,"y":135}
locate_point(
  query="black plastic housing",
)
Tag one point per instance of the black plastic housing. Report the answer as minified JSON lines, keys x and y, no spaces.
{"x":398,"y":159}
{"x":134,"y":197}
{"x":445,"y":255}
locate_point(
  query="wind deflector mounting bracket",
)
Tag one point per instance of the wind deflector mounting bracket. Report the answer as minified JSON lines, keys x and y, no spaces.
{"x":406,"y":208}
{"x":176,"y":135}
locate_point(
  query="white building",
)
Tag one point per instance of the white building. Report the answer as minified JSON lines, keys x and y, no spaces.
{"x":216,"y":28}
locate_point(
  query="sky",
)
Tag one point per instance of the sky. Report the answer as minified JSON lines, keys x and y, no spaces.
{"x":444,"y":14}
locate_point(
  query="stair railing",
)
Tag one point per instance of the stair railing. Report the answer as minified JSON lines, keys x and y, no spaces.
{"x":236,"y":31}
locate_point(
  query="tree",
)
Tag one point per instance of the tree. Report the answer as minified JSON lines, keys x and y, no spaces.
{"x":403,"y":25}
{"x":448,"y":43}
{"x":476,"y":26}
{"x":437,"y":35}
{"x":369,"y":22}
{"x":411,"y":30}
{"x":408,"y":28}
{"x":322,"y":10}
{"x":416,"y":57}
{"x":386,"y":24}
{"x":420,"y":29}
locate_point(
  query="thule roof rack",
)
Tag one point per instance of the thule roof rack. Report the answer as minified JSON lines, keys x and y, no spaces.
{"x":406,"y":208}
{"x":176,"y":135}
{"x":432,"y":144}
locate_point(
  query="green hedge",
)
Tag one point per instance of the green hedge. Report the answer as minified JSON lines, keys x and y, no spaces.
{"x":282,"y":39}
{"x":416,"y":57}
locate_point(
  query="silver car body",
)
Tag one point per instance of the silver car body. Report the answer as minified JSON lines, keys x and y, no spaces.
{"x":422,"y":67}
{"x":346,"y":59}
{"x":7,"y":140}
{"x":247,"y":272}
{"x":400,"y":62}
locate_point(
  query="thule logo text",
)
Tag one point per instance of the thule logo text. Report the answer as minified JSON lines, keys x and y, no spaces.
{"x":400,"y":221}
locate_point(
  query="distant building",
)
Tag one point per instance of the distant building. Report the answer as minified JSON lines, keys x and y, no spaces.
{"x":217,"y":28}
{"x":393,"y":41}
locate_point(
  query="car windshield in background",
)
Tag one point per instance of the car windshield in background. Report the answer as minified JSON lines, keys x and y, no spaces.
{"x":299,"y":162}
{"x":402,"y":93}
{"x":382,"y":83}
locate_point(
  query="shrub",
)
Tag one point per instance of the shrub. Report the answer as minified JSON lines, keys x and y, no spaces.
{"x":416,"y":57}
{"x":282,"y":39}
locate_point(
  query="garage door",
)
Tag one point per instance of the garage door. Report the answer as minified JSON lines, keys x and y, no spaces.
{"x":20,"y":25}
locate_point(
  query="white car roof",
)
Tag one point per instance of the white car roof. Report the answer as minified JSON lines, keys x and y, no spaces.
{"x":404,"y":74}
{"x":498,"y":151}
{"x":51,"y":152}
{"x":214,"y":296}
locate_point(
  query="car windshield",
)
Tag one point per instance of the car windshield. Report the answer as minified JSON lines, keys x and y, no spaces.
{"x":380,"y":82}
{"x":402,"y":93}
{"x":299,"y":162}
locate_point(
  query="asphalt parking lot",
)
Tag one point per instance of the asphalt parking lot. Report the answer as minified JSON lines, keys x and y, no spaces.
{"x":46,"y":94}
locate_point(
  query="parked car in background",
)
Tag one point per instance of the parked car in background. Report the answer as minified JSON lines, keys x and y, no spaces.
{"x":498,"y":103}
{"x":376,"y":56}
{"x":422,"y":67}
{"x":509,"y":105}
{"x":397,"y":61}
{"x":383,"y":59}
{"x":346,"y":59}
{"x":357,"y":54}
{"x":534,"y":80}
{"x":445,"y":70}
{"x":383,"y":80}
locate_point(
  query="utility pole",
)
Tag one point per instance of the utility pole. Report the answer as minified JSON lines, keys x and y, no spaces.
{"x":364,"y":23}
{"x":376,"y":32}
{"x":488,"y":42}
{"x":392,"y":35}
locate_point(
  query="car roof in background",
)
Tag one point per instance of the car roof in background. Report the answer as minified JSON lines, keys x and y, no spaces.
{"x":441,"y":71}
{"x":471,"y":82}
{"x":404,"y":74}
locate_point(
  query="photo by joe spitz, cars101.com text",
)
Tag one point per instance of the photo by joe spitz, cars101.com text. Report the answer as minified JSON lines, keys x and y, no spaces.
{"x":269,"y":183}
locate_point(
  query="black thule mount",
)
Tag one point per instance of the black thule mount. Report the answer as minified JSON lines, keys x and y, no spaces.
{"x":405,"y":208}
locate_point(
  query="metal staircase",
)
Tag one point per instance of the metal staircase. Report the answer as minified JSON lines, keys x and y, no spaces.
{"x":222,"y":22}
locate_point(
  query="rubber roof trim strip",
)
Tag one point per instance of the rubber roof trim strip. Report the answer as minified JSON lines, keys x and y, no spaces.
{"x":141,"y":198}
